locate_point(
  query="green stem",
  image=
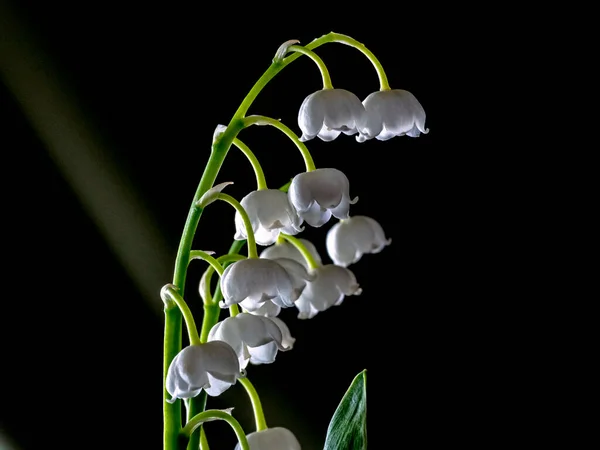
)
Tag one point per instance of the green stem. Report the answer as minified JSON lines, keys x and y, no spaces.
{"x":322,"y":67}
{"x":171,"y":346}
{"x":199,"y":254}
{"x":259,"y":415}
{"x":173,"y":328}
{"x":169,"y":292}
{"x":263,"y":120}
{"x":252,"y":252}
{"x":261,"y":183}
{"x":302,"y":249}
{"x":343,"y":39}
{"x":203,"y":440}
{"x":193,"y":408}
{"x":234,"y":310}
{"x":210,"y":317}
{"x":200,"y":418}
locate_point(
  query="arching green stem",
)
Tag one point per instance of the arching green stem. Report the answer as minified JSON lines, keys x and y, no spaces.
{"x":322,"y":67}
{"x":263,"y":120}
{"x":261,"y":183}
{"x":302,"y":248}
{"x":259,"y":415}
{"x":343,"y":39}
{"x":199,"y":254}
{"x":209,"y":414}
{"x":252,"y":252}
{"x":173,"y":317}
{"x":169,"y":292}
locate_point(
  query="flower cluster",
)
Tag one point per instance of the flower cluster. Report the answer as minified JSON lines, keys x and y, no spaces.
{"x":289,"y":272}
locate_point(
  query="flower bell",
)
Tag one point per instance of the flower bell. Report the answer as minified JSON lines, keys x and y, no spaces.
{"x":276,"y":438}
{"x":213,"y":366}
{"x":270,"y":213}
{"x":329,"y":288}
{"x":254,"y":339}
{"x":254,"y":281}
{"x":392,"y":113}
{"x":349,"y":239}
{"x":289,"y":251}
{"x":319,"y":194}
{"x":329,"y":112}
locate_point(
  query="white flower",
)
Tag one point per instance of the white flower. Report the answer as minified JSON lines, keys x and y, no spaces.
{"x":287,"y":250}
{"x":267,"y":309}
{"x":392,"y":113}
{"x":270,"y":213}
{"x":318,"y":194}
{"x":213,"y":366}
{"x":277,"y":438}
{"x":286,"y":337}
{"x":331,"y":284}
{"x":254,"y":281}
{"x":328,"y":112}
{"x":349,"y":239}
{"x":254,"y":339}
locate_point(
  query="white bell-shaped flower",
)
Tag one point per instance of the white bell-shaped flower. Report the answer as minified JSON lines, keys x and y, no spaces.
{"x":213,"y":366}
{"x":319,"y":194}
{"x":254,"y":281}
{"x":276,"y":438}
{"x":287,"y":341}
{"x":349,"y":239}
{"x":267,"y":309}
{"x":270,"y":213}
{"x":392,"y":113}
{"x":254,"y":339}
{"x":287,"y":250}
{"x":329,"y":112}
{"x":329,"y":288}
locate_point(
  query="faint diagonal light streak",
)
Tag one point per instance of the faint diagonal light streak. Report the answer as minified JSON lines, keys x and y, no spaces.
{"x":77,"y":150}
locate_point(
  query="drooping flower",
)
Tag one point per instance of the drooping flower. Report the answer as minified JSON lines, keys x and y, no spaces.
{"x":267,"y":309}
{"x":213,"y":366}
{"x":392,"y":113}
{"x":329,"y":112}
{"x":349,"y":239}
{"x":270,"y":213}
{"x":329,"y":288}
{"x":319,"y":194}
{"x":276,"y":438}
{"x":254,"y":339}
{"x":287,"y":250}
{"x":286,"y":337}
{"x":254,"y":281}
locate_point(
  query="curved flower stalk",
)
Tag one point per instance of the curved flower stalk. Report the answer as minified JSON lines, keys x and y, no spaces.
{"x":213,"y":366}
{"x":329,"y":288}
{"x":276,"y":438}
{"x":392,"y":113}
{"x":329,"y":112}
{"x":252,"y":282}
{"x":349,"y":239}
{"x":289,"y":251}
{"x":254,"y":339}
{"x":270,"y":213}
{"x":319,"y":194}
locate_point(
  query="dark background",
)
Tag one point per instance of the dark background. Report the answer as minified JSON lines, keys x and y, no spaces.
{"x":82,"y":346}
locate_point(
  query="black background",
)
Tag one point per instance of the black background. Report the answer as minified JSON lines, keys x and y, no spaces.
{"x":81,"y":349}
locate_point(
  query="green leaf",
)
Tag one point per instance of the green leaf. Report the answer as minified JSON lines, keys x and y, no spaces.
{"x":348,"y":427}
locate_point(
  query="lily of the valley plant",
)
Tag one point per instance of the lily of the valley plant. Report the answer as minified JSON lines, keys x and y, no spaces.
{"x":287,"y":273}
